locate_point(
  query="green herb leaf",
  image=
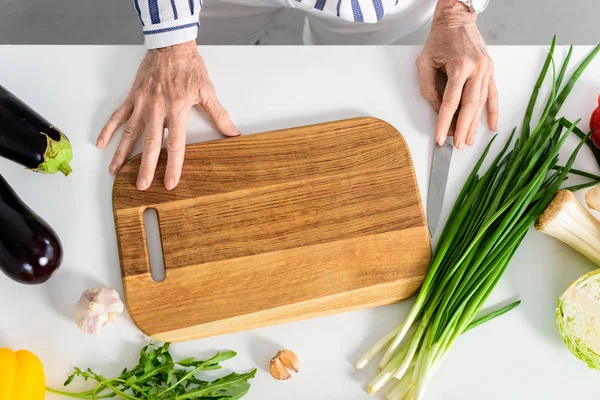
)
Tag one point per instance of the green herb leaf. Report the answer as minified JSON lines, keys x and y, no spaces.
{"x":69,"y":380}
{"x":186,"y":362}
{"x":230,"y":386}
{"x":131,"y":380}
{"x":157,"y":377}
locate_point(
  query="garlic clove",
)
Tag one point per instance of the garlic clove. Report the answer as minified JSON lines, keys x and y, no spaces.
{"x":278,"y":370}
{"x":592,"y":198}
{"x":284,"y":362}
{"x":290,"y":360}
{"x":97,"y":308}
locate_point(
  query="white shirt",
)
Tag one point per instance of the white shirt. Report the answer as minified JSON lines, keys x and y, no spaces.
{"x":168,"y":22}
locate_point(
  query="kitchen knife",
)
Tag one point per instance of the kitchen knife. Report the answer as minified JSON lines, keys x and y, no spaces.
{"x":442,"y":157}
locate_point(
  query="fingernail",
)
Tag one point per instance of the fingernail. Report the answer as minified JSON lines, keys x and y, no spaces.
{"x":113,"y":169}
{"x":470,"y":141}
{"x":99,"y":143}
{"x":142,"y":184}
{"x":170,"y":183}
{"x":237,"y":131}
{"x":459,"y":145}
{"x":440,"y":141}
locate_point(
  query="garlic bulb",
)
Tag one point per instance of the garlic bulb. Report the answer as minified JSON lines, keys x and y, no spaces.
{"x":96,"y":308}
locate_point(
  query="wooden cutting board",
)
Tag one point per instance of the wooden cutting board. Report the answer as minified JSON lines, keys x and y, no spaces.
{"x":274,"y":227}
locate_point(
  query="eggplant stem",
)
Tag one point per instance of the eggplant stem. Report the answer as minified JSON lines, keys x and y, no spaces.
{"x":65,"y":168}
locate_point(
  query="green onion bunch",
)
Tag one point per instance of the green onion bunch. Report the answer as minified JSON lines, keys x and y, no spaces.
{"x":492,"y":215}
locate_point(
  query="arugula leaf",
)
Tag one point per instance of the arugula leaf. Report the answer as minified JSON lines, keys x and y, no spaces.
{"x":232,"y":386}
{"x":131,"y":380}
{"x":188,"y":362}
{"x":158,"y":377}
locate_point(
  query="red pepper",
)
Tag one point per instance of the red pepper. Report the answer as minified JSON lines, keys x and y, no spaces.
{"x":595,"y":126}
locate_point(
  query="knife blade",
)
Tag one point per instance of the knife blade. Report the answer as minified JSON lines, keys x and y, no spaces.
{"x":440,"y":167}
{"x":442,"y":158}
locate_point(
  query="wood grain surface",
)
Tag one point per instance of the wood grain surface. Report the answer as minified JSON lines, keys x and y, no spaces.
{"x":274,"y":227}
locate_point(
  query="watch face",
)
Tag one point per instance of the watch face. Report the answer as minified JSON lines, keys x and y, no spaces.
{"x":479,"y":5}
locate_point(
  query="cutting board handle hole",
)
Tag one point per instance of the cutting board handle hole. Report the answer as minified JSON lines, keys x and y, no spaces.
{"x":154,"y":243}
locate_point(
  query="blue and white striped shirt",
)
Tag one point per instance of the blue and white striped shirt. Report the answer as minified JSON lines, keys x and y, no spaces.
{"x":353,"y":10}
{"x":168,"y":22}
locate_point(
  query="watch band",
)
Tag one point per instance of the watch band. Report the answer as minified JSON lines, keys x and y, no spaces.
{"x":476,"y":6}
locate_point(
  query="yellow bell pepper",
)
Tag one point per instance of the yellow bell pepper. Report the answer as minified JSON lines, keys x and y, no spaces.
{"x":21,"y":376}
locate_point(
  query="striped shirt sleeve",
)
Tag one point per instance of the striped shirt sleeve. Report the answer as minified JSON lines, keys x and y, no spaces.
{"x":168,"y":22}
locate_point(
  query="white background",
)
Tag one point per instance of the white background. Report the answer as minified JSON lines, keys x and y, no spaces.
{"x":520,"y":356}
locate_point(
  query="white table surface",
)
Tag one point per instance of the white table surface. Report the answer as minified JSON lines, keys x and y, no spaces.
{"x":520,"y":356}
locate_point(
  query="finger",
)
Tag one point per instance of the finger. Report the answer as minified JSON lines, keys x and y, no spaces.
{"x":482,"y":100}
{"x":117,"y":118}
{"x":133,"y":129}
{"x":452,"y":127}
{"x":152,"y":144}
{"x":449,"y":106}
{"x":427,"y":82}
{"x":473,"y":128}
{"x":176,"y":147}
{"x":468,"y":109}
{"x":492,"y":104}
{"x":219,"y":115}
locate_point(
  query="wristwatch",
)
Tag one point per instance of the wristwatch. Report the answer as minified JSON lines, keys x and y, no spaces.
{"x":477,"y":6}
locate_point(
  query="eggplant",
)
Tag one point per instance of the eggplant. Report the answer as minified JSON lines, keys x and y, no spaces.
{"x":28,"y":139}
{"x":30,"y":251}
